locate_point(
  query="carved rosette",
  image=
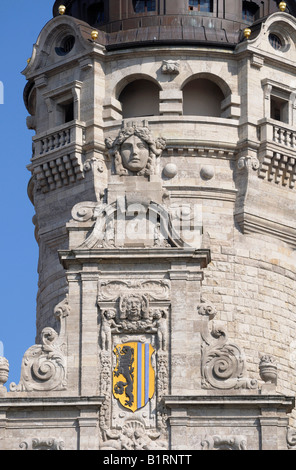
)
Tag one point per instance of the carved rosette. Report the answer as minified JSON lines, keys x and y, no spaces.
{"x":44,"y":366}
{"x":223,"y":363}
{"x":248,"y":162}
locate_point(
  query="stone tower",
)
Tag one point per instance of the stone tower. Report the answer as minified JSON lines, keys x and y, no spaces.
{"x":163,"y":179}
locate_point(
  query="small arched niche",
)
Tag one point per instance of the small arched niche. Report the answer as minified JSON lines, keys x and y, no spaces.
{"x":140,"y":98}
{"x":202,"y":97}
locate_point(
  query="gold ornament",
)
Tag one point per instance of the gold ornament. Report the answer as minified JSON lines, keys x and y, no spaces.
{"x":247,"y":33}
{"x":62,"y":9}
{"x":282,"y":6}
{"x":94,"y":35}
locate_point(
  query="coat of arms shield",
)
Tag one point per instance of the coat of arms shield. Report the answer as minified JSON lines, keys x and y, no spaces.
{"x":133,"y":376}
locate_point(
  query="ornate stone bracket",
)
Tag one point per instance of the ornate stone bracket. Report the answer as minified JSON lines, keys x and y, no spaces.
{"x":44,"y":365}
{"x":249,"y":162}
{"x":223,"y":363}
{"x":291,"y":438}
{"x":170,"y":67}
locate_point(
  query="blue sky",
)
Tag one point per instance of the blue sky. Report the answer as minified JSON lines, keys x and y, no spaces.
{"x":21,"y":23}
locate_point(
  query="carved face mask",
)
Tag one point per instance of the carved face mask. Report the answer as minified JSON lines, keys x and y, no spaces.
{"x":134,"y":308}
{"x":134,"y":154}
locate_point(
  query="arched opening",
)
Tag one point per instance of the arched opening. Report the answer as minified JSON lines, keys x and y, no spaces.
{"x":96,"y":13}
{"x":250,"y":11}
{"x":140,"y":98}
{"x":202,"y":97}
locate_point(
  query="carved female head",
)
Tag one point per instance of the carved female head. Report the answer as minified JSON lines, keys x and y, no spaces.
{"x":135,"y":151}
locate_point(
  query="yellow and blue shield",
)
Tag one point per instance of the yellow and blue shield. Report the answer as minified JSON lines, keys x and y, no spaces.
{"x":133,"y":376}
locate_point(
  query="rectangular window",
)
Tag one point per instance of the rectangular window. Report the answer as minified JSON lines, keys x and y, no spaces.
{"x":142,"y":6}
{"x":65,"y":112}
{"x":201,"y":5}
{"x":279,"y":109}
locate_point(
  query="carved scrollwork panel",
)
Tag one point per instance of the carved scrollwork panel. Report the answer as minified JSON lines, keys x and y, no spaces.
{"x":44,"y":366}
{"x":223,"y":363}
{"x":42,"y":444}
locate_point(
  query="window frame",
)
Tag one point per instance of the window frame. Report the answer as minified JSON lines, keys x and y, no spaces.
{"x":197,"y":7}
{"x":146,"y":4}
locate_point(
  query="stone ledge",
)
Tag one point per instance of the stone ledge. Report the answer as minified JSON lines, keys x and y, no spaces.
{"x":262,"y":401}
{"x":43,"y":402}
{"x":202,"y":257}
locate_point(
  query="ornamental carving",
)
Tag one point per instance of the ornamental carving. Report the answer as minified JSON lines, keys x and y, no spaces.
{"x":170,"y":67}
{"x":134,"y":369}
{"x":153,"y":289}
{"x":44,"y":365}
{"x":133,"y":435}
{"x":135,"y":151}
{"x":249,"y":162}
{"x":154,"y":322}
{"x":291,"y":438}
{"x":268,"y":369}
{"x":223,"y":363}
{"x":134,"y":307}
{"x":129,"y":219}
{"x":224,"y":443}
{"x":42,"y":444}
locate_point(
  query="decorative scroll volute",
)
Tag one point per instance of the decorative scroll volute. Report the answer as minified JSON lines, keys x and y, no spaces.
{"x":44,"y":366}
{"x":223,"y":363}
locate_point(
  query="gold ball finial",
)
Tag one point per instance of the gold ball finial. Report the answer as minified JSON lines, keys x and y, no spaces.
{"x":282,"y":6}
{"x":62,"y":9}
{"x":28,"y":61}
{"x":94,"y":35}
{"x":247,"y":33}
